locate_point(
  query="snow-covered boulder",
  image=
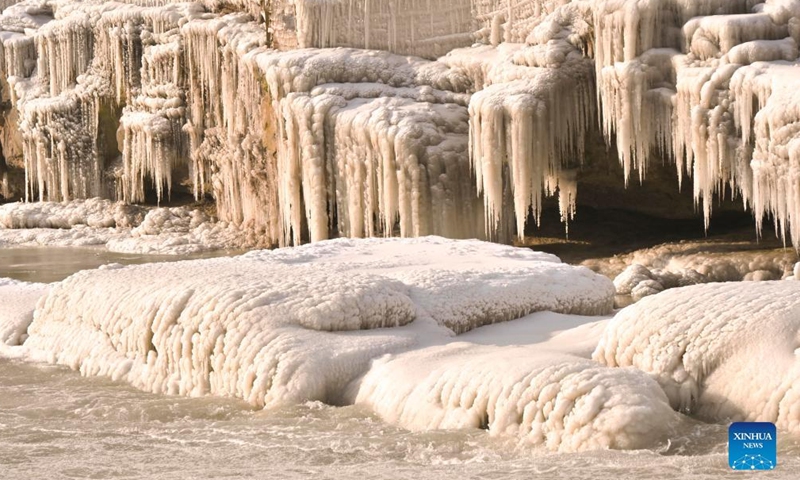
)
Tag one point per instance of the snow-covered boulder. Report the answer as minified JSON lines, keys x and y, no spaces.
{"x":723,"y":352}
{"x":289,"y":325}
{"x":544,"y":397}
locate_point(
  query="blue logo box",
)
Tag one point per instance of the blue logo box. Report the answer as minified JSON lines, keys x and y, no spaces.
{"x":752,"y":446}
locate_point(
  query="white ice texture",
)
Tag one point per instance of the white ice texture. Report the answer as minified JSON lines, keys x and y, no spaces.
{"x":316,"y":323}
{"x":118,"y":227}
{"x":650,"y":270}
{"x":722,"y":352}
{"x":319,"y":142}
{"x":16,"y":309}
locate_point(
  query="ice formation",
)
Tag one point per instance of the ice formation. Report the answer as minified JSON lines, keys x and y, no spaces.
{"x":312,"y":144}
{"x":115,"y":100}
{"x":119,"y":227}
{"x":16,"y":312}
{"x":93,"y":212}
{"x":724,"y":352}
{"x":360,"y":321}
{"x":651,"y":270}
{"x":546,"y":397}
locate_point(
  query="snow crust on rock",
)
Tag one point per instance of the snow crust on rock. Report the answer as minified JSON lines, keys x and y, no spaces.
{"x":723,"y":352}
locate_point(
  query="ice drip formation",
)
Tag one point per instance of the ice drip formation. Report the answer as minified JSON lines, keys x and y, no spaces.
{"x":313,"y":119}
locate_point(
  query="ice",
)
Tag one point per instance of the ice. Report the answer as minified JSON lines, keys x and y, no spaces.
{"x":685,"y":263}
{"x":181,"y":231}
{"x":414,"y":27}
{"x":397,"y":160}
{"x":459,"y":283}
{"x":305,"y":144}
{"x":228,"y":336}
{"x":77,"y":236}
{"x":369,"y":322}
{"x":16,"y":313}
{"x":632,"y":277}
{"x":724,"y":352}
{"x":119,"y":227}
{"x":545,"y":397}
{"x":94,"y":212}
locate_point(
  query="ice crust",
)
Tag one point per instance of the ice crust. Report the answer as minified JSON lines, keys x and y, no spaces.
{"x":651,"y":270}
{"x":95,"y":213}
{"x":724,"y":352}
{"x":564,"y":402}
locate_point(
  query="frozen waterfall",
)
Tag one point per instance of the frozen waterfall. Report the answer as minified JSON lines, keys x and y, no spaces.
{"x":115,"y":100}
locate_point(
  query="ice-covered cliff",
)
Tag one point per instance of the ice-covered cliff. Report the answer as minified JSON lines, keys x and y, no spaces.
{"x":305,"y":141}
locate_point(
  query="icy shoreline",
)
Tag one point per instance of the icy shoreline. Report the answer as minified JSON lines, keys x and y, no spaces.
{"x":372,"y":323}
{"x":119,"y":228}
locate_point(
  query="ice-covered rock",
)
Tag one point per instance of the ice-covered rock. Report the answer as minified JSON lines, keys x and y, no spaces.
{"x":645,"y":289}
{"x":361,"y":322}
{"x":287,"y":325}
{"x":635,"y":274}
{"x":723,"y":352}
{"x":16,"y":309}
{"x":181,"y":231}
{"x":94,"y":212}
{"x":687,"y":263}
{"x":120,"y":228}
{"x":545,"y":397}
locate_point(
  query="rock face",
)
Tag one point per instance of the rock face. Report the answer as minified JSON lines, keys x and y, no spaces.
{"x":251,"y":103}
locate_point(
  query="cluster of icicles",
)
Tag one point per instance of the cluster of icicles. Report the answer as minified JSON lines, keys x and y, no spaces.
{"x":111,"y":99}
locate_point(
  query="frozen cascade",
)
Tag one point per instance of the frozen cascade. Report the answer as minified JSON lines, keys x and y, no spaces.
{"x":230,"y":123}
{"x":705,"y":93}
{"x":370,"y":140}
{"x":114,"y":99}
{"x":59,"y":147}
{"x":415,"y":27}
{"x":526,"y":125}
{"x":392,"y":159}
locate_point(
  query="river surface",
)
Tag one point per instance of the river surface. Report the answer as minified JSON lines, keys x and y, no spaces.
{"x":56,"y":424}
{"x":52,"y":264}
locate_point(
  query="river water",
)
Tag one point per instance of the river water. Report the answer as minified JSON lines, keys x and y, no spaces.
{"x":57,"y":424}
